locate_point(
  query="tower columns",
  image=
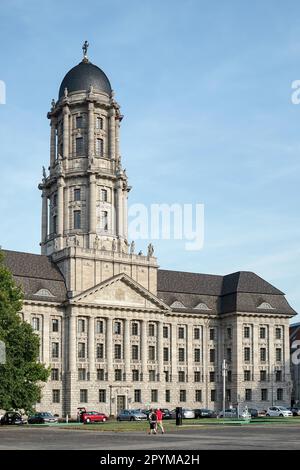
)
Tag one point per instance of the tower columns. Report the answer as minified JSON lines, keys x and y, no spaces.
{"x":92,"y":204}
{"x":91,"y":128}
{"x":112,"y":133}
{"x":66,"y":138}
{"x":44,"y":216}
{"x":160,"y":352}
{"x":117,"y":139}
{"x":60,"y":206}
{"x":119,"y":209}
{"x":52,"y":142}
{"x":127,"y":351}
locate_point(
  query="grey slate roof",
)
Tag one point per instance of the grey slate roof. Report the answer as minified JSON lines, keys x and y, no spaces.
{"x":36,"y":272}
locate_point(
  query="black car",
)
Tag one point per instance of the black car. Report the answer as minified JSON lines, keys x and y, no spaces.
{"x":205,"y":413}
{"x":166,"y":413}
{"x":42,"y":418}
{"x":13,"y":417}
{"x":253,"y":412}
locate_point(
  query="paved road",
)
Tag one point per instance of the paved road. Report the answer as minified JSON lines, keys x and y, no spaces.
{"x":247,"y":438}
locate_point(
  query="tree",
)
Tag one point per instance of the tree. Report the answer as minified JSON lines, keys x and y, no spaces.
{"x":22,"y":374}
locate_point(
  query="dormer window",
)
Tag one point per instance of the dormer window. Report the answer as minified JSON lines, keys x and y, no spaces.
{"x":266,"y":306}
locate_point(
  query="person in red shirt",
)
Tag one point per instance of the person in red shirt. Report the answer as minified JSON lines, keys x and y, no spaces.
{"x":159,"y":418}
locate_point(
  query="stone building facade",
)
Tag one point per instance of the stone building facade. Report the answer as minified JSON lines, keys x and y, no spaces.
{"x":117,"y":331}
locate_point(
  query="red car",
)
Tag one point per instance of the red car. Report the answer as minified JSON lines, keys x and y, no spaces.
{"x":87,"y":417}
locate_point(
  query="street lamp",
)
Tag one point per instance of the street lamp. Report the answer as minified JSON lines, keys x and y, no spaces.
{"x":224,"y":374}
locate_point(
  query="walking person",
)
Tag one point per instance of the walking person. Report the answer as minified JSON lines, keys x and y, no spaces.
{"x":152,"y":422}
{"x":159,"y":418}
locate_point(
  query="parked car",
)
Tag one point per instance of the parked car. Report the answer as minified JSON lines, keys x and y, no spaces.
{"x":233,"y":413}
{"x":253,"y":412}
{"x":42,"y":418}
{"x":295,"y":410}
{"x":205,"y":413}
{"x":13,"y":417}
{"x":131,"y":415}
{"x":187,"y":413}
{"x":87,"y":417}
{"x":166,"y":413}
{"x":279,"y":411}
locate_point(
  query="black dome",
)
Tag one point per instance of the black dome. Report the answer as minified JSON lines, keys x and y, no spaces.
{"x":82,"y":76}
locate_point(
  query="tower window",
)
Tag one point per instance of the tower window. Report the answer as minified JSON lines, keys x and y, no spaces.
{"x":79,"y":122}
{"x":79,"y":146}
{"x":77,"y":219}
{"x":55,"y":200}
{"x":77,"y":194}
{"x":99,"y":147}
{"x":103,"y":195}
{"x":104,"y":220}
{"x":99,"y":122}
{"x":54,"y":224}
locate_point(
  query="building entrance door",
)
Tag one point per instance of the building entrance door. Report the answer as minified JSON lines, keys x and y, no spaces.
{"x":121,"y":403}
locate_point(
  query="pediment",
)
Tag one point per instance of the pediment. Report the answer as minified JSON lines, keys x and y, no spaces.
{"x":120,"y":291}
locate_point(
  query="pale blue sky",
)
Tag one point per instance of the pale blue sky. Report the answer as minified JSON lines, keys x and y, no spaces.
{"x":205,"y":87}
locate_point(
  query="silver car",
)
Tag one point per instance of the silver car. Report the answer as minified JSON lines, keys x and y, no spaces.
{"x":131,"y":415}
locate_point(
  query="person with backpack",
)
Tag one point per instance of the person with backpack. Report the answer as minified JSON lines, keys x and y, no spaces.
{"x":152,"y":422}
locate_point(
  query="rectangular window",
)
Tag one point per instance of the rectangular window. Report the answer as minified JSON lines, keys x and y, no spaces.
{"x":54,"y":224}
{"x":168,"y":396}
{"x":280,"y":394}
{"x":135,"y":375}
{"x":134,"y":329}
{"x":55,"y":350}
{"x":77,"y":195}
{"x":55,"y":325}
{"x":77,"y":219}
{"x":54,"y":374}
{"x":35,"y":323}
{"x":181,"y":354}
{"x":55,"y":200}
{"x":118,"y":375}
{"x":212,"y":395}
{"x":278,"y":354}
{"x":198,"y":395}
{"x":99,"y":122}
{"x":81,"y":326}
{"x":103,"y":195}
{"x":228,"y":395}
{"x":196,"y":333}
{"x":197,"y":376}
{"x":211,"y":355}
{"x":117,"y":327}
{"x":165,"y":332}
{"x":81,"y":350}
{"x":100,"y":374}
{"x":228,"y":354}
{"x":102,"y":395}
{"x":246,"y":332}
{"x":79,"y":146}
{"x":197,"y":355}
{"x":151,"y":329}
{"x":167,"y":376}
{"x":166,"y":354}
{"x":152,"y":375}
{"x":79,"y":122}
{"x":99,"y":327}
{"x":154,"y":396}
{"x":138,"y":395}
{"x":81,"y":374}
{"x":151,"y":351}
{"x":248,"y":394}
{"x":182,"y":395}
{"x":56,"y":396}
{"x":246,"y":354}
{"x":181,"y":332}
{"x":229,"y":333}
{"x":99,"y":147}
{"x":104,"y":220}
{"x":263,"y":375}
{"x":212,"y":376}
{"x":229,"y":376}
{"x":211,"y":334}
{"x":264,"y":394}
{"x":247,"y":375}
{"x":135,"y":352}
{"x":100,"y":351}
{"x":262,"y":332}
{"x":181,"y":376}
{"x":278,"y":334}
{"x":118,"y":351}
{"x":278,"y":375}
{"x":83,"y":395}
{"x":263,"y":354}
